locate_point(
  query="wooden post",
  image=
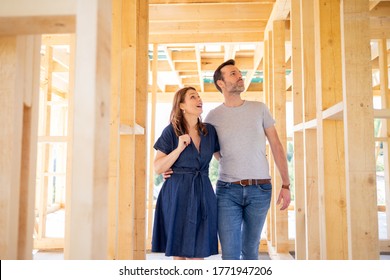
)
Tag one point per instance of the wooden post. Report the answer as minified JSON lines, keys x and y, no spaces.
{"x":362,"y":213}
{"x":11,"y":120}
{"x":141,"y":116}
{"x":114,"y":129}
{"x":297,"y":96}
{"x":279,"y":112}
{"x":29,"y":48}
{"x":89,"y":197}
{"x":310,"y":134}
{"x":384,"y":88}
{"x":19,"y":73}
{"x":330,"y":131}
{"x":270,"y":101}
{"x":127,"y":141}
{"x":152,"y":127}
{"x":69,"y":160}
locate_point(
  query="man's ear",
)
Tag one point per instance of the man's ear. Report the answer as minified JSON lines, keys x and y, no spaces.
{"x":220,"y":83}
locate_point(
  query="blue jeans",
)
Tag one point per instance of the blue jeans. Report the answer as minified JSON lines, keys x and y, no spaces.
{"x":241,"y":215}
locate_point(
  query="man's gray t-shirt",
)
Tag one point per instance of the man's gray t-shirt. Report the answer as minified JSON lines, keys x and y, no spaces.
{"x":242,"y":140}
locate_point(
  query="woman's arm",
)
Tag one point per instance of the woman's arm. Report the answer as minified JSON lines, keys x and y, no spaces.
{"x":163,"y":162}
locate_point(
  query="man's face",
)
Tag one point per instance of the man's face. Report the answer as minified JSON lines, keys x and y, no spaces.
{"x":232,"y":80}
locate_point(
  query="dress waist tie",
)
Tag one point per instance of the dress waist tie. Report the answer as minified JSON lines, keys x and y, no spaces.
{"x":192,"y":207}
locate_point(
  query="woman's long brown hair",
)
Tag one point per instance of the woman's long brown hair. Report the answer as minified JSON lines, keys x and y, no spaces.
{"x":179,"y":123}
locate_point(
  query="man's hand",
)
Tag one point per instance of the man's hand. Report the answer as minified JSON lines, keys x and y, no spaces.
{"x":286,"y":197}
{"x":167,"y":174}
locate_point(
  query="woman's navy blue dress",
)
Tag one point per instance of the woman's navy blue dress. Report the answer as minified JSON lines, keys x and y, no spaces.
{"x":185,"y":221}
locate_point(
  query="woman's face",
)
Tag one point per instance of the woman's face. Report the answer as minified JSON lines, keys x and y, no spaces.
{"x":192,"y":103}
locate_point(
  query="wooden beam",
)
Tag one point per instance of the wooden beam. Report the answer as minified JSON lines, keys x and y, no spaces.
{"x":269,"y":100}
{"x":47,"y":8}
{"x":173,"y":65}
{"x":11,"y":120}
{"x":153,"y":102}
{"x":379,"y":27}
{"x":29,"y":79}
{"x":116,"y":67}
{"x":42,"y":16}
{"x":169,"y":27}
{"x":297,"y":97}
{"x":333,"y":233}
{"x":89,"y":212}
{"x":37,"y":25}
{"x":279,"y":113}
{"x":191,"y":38}
{"x":126,"y":204}
{"x":381,"y":10}
{"x":208,"y":1}
{"x":69,"y":166}
{"x":362,"y":216}
{"x":280,"y":11}
{"x":384,"y":88}
{"x":199,"y":67}
{"x":310,"y":136}
{"x":141,"y":139}
{"x":211,"y":11}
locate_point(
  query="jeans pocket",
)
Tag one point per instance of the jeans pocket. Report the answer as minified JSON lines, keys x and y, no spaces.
{"x":265,"y":187}
{"x":222,"y":184}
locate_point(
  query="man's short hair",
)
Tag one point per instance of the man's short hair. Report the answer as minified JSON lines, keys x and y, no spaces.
{"x":218,"y":73}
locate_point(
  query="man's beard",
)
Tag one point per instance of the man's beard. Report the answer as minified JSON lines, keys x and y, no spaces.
{"x":236,"y":89}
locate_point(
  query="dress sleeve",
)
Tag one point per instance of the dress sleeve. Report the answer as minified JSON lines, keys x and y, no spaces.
{"x":166,"y":142}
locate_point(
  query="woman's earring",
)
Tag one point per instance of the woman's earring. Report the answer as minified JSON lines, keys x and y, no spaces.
{"x":184,"y":111}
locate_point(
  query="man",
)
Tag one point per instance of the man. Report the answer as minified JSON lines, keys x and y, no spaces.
{"x":244,"y":186}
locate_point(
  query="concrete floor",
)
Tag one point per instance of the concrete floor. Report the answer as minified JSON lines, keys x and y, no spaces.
{"x":58,"y":255}
{"x":55,"y":228}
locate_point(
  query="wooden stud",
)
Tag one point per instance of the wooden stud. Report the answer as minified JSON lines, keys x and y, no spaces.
{"x":279,"y":112}
{"x":29,"y":48}
{"x":152,"y":101}
{"x":330,"y":132}
{"x":296,"y":61}
{"x":126,"y":207}
{"x":362,"y":216}
{"x":384,"y":88}
{"x":310,"y":135}
{"x":114,"y":130}
{"x":140,"y":139}
{"x":11,"y":121}
{"x":89,"y":197}
{"x":69,"y":133}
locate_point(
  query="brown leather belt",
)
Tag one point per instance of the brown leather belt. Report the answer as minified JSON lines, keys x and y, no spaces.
{"x":250,"y":182}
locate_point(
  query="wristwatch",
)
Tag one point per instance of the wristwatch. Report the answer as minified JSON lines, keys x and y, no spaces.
{"x":287,"y":187}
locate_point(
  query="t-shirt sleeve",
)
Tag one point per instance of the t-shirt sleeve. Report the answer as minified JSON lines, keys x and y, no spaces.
{"x":268,"y":120}
{"x":209,"y":117}
{"x":165,"y":143}
{"x":214,"y":135}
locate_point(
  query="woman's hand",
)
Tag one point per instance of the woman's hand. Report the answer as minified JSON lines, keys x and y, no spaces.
{"x":184,"y":141}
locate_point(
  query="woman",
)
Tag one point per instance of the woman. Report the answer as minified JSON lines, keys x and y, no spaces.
{"x":185,"y":222}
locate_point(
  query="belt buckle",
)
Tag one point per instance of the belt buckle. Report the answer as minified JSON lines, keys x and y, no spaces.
{"x":242,"y":185}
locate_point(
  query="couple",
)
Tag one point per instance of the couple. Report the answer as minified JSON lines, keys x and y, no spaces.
{"x":188,"y":211}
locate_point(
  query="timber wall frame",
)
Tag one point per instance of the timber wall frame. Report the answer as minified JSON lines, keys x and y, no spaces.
{"x":105,"y":78}
{"x":106,"y":173}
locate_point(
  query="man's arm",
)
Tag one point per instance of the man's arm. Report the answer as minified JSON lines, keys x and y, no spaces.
{"x":281,"y":163}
